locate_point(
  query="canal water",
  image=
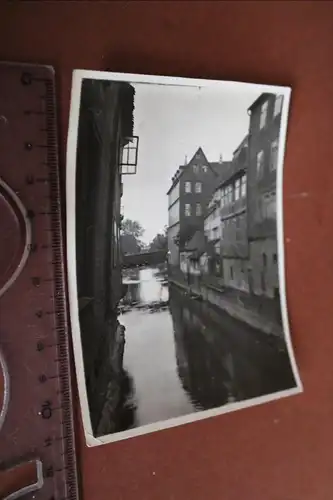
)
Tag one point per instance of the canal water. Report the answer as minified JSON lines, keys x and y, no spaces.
{"x":183,"y":356}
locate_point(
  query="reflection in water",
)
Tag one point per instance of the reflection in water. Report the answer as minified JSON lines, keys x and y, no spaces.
{"x":189,"y":357}
{"x":150,"y":356}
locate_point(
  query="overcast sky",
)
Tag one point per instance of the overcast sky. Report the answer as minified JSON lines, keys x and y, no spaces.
{"x":171,"y":122}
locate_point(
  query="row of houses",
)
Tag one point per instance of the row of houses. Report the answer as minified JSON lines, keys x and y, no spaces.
{"x":222,"y":215}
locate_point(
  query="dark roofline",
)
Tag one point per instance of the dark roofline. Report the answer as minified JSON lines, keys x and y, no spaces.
{"x":210,"y":210}
{"x":232,"y":175}
{"x":241,"y":171}
{"x":183,"y":167}
{"x":241,"y":144}
{"x":173,"y":185}
{"x":259,"y":100}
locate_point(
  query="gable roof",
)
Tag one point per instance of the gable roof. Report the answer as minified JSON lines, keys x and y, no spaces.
{"x":222,"y":171}
{"x":199,"y":152}
{"x":182,"y":168}
{"x":243,"y":144}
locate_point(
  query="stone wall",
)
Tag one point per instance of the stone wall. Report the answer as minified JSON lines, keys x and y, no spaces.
{"x":235,"y":273}
{"x":263,"y":268}
{"x":106,"y":116}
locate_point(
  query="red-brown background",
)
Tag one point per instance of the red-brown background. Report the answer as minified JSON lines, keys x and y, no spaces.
{"x":282,"y":450}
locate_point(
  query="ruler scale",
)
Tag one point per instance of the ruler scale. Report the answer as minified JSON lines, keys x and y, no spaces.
{"x":37,"y":425}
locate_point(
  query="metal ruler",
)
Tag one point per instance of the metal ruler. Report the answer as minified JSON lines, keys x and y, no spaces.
{"x":36,"y":424}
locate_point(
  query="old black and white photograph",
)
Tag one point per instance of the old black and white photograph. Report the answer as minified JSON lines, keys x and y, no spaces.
{"x":175,"y":250}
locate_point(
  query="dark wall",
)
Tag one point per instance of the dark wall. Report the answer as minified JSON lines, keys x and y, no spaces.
{"x":261,"y":140}
{"x":234,"y":219}
{"x":194,"y":172}
{"x":98,"y":195}
{"x":275,"y":451}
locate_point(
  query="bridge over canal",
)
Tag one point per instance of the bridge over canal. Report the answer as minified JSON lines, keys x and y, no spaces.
{"x":144,"y":259}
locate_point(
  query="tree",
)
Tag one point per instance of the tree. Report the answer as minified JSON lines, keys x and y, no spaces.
{"x":131,"y":231}
{"x":129,"y":244}
{"x":132,"y":227}
{"x":160,"y":241}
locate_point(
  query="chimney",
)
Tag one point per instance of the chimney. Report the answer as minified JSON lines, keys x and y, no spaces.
{"x":221,"y":159}
{"x":185,"y":161}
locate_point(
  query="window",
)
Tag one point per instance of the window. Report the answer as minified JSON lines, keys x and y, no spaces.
{"x":204,"y":168}
{"x":274,"y":258}
{"x":222,"y":198}
{"x":188,"y":187}
{"x":231,"y":273}
{"x":187,"y":210}
{"x":198,"y":210}
{"x":243,"y":186}
{"x":263,"y":114}
{"x":239,"y":228}
{"x":274,"y":154}
{"x":198,"y":187}
{"x":260,"y":163}
{"x":278,"y":105}
{"x":230,"y":195}
{"x":222,"y":228}
{"x":268,"y":205}
{"x":237,"y":189}
{"x":195,"y":169}
{"x":234,"y":228}
{"x":264,"y":260}
{"x":129,"y":155}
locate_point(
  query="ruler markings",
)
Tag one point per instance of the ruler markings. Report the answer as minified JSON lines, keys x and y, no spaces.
{"x":47,"y":303}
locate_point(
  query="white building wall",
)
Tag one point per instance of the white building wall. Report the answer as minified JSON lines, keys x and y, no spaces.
{"x":174,"y":194}
{"x":174,"y":214}
{"x":216,"y":197}
{"x":173,"y":249}
{"x":212,"y":225}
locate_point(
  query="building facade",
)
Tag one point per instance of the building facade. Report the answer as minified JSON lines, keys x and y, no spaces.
{"x":105,"y":126}
{"x":173,"y":220}
{"x":191,"y":189}
{"x":234,"y":244}
{"x":212,"y":223}
{"x":264,"y":135}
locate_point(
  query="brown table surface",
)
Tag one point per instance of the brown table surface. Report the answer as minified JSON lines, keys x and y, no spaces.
{"x":282,"y":450}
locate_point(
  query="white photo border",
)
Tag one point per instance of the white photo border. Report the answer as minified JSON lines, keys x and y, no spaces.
{"x":230,"y":86}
